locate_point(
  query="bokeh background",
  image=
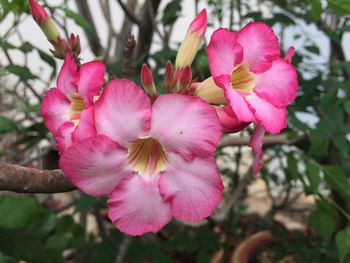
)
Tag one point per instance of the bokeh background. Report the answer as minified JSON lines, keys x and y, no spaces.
{"x":296,"y":210}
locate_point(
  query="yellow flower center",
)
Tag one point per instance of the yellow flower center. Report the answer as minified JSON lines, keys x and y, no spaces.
{"x":242,"y":80}
{"x":76,"y":107}
{"x":147,"y":156}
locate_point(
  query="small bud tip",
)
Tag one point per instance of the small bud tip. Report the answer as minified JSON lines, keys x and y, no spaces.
{"x":146,"y":76}
{"x":38,"y":12}
{"x":199,"y":24}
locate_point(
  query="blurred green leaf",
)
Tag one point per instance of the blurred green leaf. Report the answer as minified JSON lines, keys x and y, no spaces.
{"x":21,"y":71}
{"x":6,"y":125}
{"x":79,"y":20}
{"x":313,"y":49}
{"x":18,"y":212}
{"x":337,"y":180}
{"x":313,"y":176}
{"x":171,"y":12}
{"x":342,"y":240}
{"x":340,"y":6}
{"x":316,"y":9}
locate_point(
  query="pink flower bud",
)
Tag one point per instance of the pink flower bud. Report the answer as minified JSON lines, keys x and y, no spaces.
{"x":199,"y":24}
{"x":184,"y":78}
{"x":192,"y":41}
{"x":147,"y":81}
{"x":168,"y":77}
{"x":38,"y":12}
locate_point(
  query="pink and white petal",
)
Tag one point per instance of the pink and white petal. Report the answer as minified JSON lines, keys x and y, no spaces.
{"x":136,"y":206}
{"x":194,"y":189}
{"x":289,"y":54}
{"x":95,"y":165}
{"x":277,"y":85}
{"x":68,"y":77}
{"x":186,"y":125}
{"x":228,"y":120}
{"x":91,"y":79}
{"x":54,"y":109}
{"x":123,"y":112}
{"x":272,"y":118}
{"x":64,"y":136}
{"x":237,"y":103}
{"x":256,"y":143}
{"x":223,"y":52}
{"x":86,"y":127}
{"x":260,"y":46}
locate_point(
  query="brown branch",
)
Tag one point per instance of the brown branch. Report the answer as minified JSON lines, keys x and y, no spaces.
{"x":29,"y":180}
{"x":129,"y":14}
{"x":269,"y":140}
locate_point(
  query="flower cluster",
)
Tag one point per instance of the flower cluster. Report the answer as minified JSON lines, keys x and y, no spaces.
{"x":152,"y":154}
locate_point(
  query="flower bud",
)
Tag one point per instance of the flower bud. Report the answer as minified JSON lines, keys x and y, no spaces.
{"x":185,"y":78}
{"x":193,"y":38}
{"x":169,"y":76}
{"x":147,"y":81}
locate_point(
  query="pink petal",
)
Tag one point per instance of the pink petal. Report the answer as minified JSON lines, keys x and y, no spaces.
{"x":64,"y":136}
{"x":271,"y":117}
{"x":228,"y":120}
{"x":277,"y":85}
{"x":256,"y":143}
{"x":95,"y":165}
{"x":289,"y":54}
{"x":123,"y":112}
{"x":185,"y":125}
{"x":223,"y":52}
{"x":260,"y":46}
{"x":237,"y":103}
{"x":91,"y":80}
{"x":54,"y":109}
{"x":67,"y":79}
{"x":194,"y":189}
{"x":86,"y":127}
{"x":136,"y":206}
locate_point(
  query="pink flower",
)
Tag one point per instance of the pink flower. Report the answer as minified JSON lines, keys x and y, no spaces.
{"x":257,"y":83}
{"x":155,"y":161}
{"x":38,"y":12}
{"x":66,"y":106}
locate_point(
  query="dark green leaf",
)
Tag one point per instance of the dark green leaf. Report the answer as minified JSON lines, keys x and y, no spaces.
{"x":6,"y":125}
{"x":21,"y":71}
{"x":337,"y":180}
{"x":17,"y":212}
{"x":340,"y":6}
{"x":79,"y":20}
{"x":316,"y":9}
{"x":313,"y":176}
{"x":313,"y":49}
{"x":342,"y":240}
{"x":171,"y":12}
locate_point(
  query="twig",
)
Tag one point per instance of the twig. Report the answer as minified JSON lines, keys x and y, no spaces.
{"x":29,"y":180}
{"x":129,"y":14}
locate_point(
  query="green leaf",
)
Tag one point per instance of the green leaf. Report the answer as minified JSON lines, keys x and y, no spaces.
{"x":171,"y":12}
{"x":340,"y":6}
{"x":313,"y":49}
{"x":313,"y":176}
{"x":6,"y":125}
{"x":26,"y":47}
{"x":79,"y":20}
{"x":18,"y":212}
{"x":337,"y":180}
{"x":316,"y":9}
{"x":6,"y":45}
{"x":292,"y":166}
{"x":324,"y":219}
{"x":342,"y":240}
{"x":21,"y":71}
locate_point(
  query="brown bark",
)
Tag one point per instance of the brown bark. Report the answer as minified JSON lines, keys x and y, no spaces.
{"x":20,"y":179}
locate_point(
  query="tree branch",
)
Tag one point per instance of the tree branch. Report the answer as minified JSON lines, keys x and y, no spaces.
{"x":268,"y":140}
{"x":29,"y":180}
{"x":129,"y":14}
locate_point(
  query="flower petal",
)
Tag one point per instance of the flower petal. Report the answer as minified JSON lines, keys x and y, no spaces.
{"x":194,"y":189}
{"x":86,"y":127}
{"x":64,"y":136}
{"x":123,"y":112}
{"x":136,"y":206}
{"x":223,"y":52}
{"x":54,"y":109}
{"x":289,"y":54}
{"x":260,"y":46}
{"x":237,"y":103}
{"x":228,"y":120}
{"x":185,"y":125}
{"x":272,"y":118}
{"x":278,"y":85}
{"x":256,"y":143}
{"x":95,"y":166}
{"x":68,"y":77}
{"x":91,"y":79}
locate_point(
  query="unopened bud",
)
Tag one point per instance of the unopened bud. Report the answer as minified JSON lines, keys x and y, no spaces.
{"x":193,"y":39}
{"x":168,"y":77}
{"x":147,"y":81}
{"x":38,"y":12}
{"x":74,"y":44}
{"x":185,"y":78}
